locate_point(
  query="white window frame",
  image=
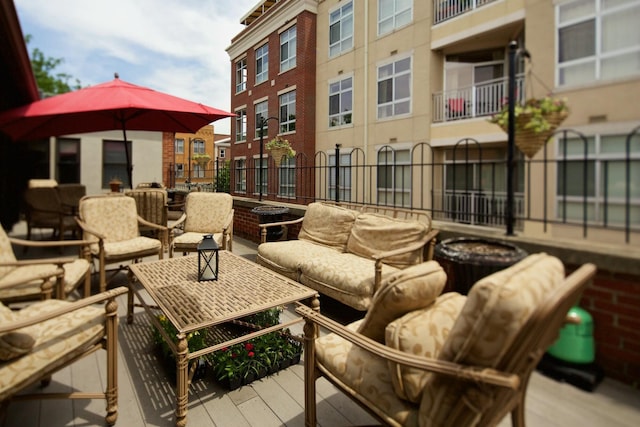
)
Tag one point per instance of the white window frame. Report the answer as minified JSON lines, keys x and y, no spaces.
{"x":287,"y":179}
{"x":592,"y":68}
{"x":241,"y":124}
{"x":260,"y":167}
{"x":399,"y":161}
{"x":388,"y":73}
{"x":262,"y":63}
{"x":179,"y":170}
{"x":288,"y":47}
{"x":340,"y":88}
{"x":261,"y":110}
{"x":179,"y":146}
{"x":241,"y":75}
{"x":400,"y":15}
{"x":341,"y":20}
{"x":345,"y":176}
{"x":287,"y":112}
{"x":240,"y":175}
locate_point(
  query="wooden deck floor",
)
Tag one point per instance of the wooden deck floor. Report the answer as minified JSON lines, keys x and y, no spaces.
{"x":147,"y":398}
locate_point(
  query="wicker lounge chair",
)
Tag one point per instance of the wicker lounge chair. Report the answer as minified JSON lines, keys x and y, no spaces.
{"x":44,"y":337}
{"x":204,"y":213}
{"x":34,"y":279}
{"x":111,"y":222}
{"x":421,"y":358}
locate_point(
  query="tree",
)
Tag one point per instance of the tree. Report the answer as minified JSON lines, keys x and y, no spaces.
{"x":49,"y":83}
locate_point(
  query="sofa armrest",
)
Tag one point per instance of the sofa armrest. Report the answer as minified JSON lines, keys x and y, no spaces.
{"x":282,"y":224}
{"x":450,"y":369}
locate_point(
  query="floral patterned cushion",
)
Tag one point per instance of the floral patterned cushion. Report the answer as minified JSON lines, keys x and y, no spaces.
{"x":289,"y":255}
{"x":421,"y":332}
{"x":113,"y":216}
{"x":65,"y":335}
{"x":191,"y":240}
{"x":13,"y":344}
{"x":404,"y":291}
{"x":6,"y":253}
{"x":496,"y":309}
{"x":74,"y":273}
{"x":365,"y":374}
{"x":374,"y":233}
{"x":139,"y":244}
{"x":346,"y":277}
{"x":327,"y":225}
{"x":207,"y":212}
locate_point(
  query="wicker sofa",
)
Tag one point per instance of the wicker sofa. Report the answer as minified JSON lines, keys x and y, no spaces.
{"x":345,"y":253}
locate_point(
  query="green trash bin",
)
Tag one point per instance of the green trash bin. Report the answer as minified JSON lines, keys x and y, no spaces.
{"x":575,"y":343}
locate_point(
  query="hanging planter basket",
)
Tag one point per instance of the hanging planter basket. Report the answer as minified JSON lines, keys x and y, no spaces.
{"x":535,"y":122}
{"x":278,"y":154}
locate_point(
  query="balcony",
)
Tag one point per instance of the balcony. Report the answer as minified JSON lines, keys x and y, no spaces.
{"x":480,"y":100}
{"x":446,"y":9}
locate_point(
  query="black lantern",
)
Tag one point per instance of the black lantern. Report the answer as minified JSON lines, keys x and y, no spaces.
{"x":208,"y":258}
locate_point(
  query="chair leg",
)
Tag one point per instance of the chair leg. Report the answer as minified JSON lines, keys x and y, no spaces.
{"x":309,"y":374}
{"x":111,"y":392}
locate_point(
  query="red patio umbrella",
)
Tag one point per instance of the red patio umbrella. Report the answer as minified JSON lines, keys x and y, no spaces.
{"x":107,"y":106}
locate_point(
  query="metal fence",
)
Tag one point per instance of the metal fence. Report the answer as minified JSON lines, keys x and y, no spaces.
{"x":573,"y":183}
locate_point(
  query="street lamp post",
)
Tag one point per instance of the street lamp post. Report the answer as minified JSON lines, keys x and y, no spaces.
{"x":263,"y":123}
{"x":514,"y":54}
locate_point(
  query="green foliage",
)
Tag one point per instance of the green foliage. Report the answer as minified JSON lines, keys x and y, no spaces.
{"x":278,"y":142}
{"x":223,"y":177}
{"x":49,"y":82}
{"x":537,"y":112}
{"x":195,"y":340}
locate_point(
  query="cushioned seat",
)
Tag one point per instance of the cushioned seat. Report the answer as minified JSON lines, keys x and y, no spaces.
{"x":424,"y":359}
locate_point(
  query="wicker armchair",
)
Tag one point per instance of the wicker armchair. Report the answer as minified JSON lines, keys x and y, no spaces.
{"x":204,"y":213}
{"x":27,"y":280}
{"x":44,"y":209}
{"x":111,"y":222}
{"x":39,"y":340}
{"x":421,"y":358}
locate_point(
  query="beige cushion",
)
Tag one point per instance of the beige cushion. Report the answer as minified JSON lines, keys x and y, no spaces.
{"x":365,"y":375}
{"x":373,"y":233}
{"x":113,"y":216}
{"x":496,"y":309}
{"x":13,"y":344}
{"x":404,"y":291}
{"x":327,"y":225}
{"x":423,"y":333}
{"x":6,"y":253}
{"x":207,"y":213}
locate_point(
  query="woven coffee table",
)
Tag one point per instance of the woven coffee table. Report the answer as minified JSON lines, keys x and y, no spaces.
{"x":243,"y":288}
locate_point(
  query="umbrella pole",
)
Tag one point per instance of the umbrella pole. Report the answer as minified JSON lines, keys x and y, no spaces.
{"x":126,"y":153}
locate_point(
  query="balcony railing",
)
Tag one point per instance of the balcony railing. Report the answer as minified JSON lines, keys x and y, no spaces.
{"x":447,"y":9}
{"x":480,"y":100}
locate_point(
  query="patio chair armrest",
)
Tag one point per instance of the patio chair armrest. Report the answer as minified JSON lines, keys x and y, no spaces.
{"x":179,"y":222}
{"x":87,"y":228}
{"x":49,"y":243}
{"x":450,"y":369}
{"x":146,"y":223}
{"x":228,"y":223}
{"x":281,"y":224}
{"x":27,"y":262}
{"x":44,"y":277}
{"x":84,"y":302}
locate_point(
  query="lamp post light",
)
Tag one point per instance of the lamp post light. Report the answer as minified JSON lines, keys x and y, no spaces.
{"x":263,"y":122}
{"x":514,"y":53}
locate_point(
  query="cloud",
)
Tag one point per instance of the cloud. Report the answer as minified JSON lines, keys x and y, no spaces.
{"x":174,"y":46}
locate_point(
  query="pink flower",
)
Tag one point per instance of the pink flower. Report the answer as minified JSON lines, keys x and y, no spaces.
{"x":248,"y":346}
{"x":251,"y":354}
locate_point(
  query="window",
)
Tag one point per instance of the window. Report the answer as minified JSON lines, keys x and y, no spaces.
{"x":288,"y":49}
{"x":344,"y":177}
{"x":179,"y":146}
{"x":261,"y":175}
{"x":394,"y":88}
{"x":240,"y":174}
{"x":222,"y":153}
{"x":597,"y":40}
{"x":393,"y":14}
{"x":601,"y":178}
{"x":179,"y":167}
{"x":341,"y":29}
{"x":198,"y":146}
{"x":241,"y":125}
{"x":394,"y":177}
{"x":114,"y":162}
{"x":288,"y":112}
{"x":287,"y":178}
{"x":261,"y":113}
{"x":68,"y":163}
{"x":198,"y":170}
{"x":262,"y":63}
{"x":340,"y":102}
{"x":241,"y":75}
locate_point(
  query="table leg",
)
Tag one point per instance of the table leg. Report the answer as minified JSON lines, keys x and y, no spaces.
{"x":130,"y":305}
{"x":182,"y":381}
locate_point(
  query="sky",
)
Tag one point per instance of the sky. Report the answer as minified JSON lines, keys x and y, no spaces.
{"x":172,"y":46}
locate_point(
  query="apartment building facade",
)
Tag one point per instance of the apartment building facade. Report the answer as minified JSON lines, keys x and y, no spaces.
{"x":394,"y":76}
{"x":273,"y":94}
